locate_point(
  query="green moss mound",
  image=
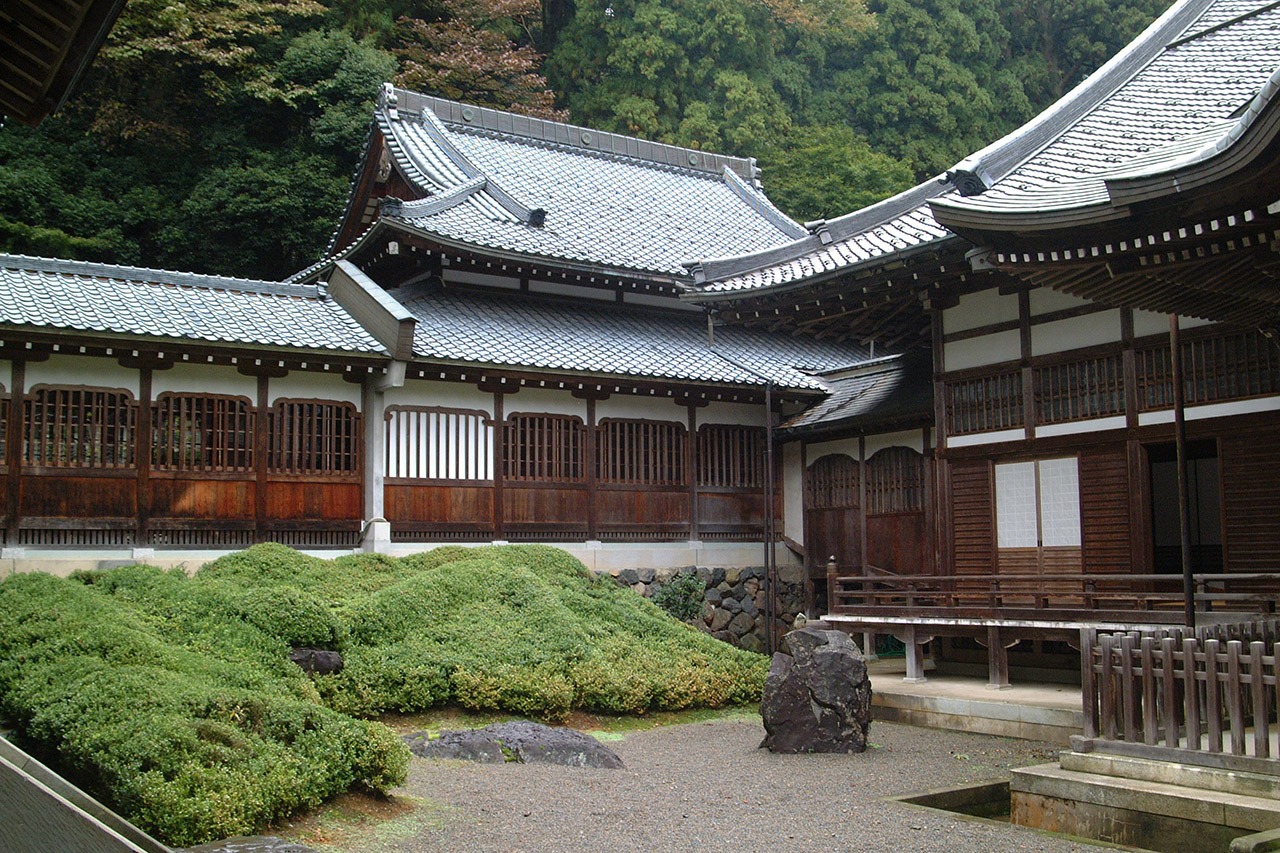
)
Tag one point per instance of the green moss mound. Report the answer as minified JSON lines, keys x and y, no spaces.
{"x":173,"y":696}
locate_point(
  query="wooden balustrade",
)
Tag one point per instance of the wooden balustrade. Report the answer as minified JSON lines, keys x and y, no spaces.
{"x":1209,"y":698}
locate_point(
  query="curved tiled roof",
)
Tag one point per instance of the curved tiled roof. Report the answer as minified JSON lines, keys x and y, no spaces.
{"x":40,"y":293}
{"x":530,"y":188}
{"x":1166,"y":94}
{"x":583,"y":337}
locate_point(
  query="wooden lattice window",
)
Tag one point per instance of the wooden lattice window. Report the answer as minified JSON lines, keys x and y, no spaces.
{"x":437,"y":443}
{"x":831,"y":483}
{"x":984,"y":404}
{"x":1093,"y":388}
{"x":640,"y":452}
{"x":547,"y":448}
{"x":895,"y":481}
{"x":202,"y":432}
{"x":1221,"y":367}
{"x":314,"y":437}
{"x":79,"y":427}
{"x":731,"y":456}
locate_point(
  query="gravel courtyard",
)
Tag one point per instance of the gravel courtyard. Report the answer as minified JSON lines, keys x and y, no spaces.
{"x":706,"y":786}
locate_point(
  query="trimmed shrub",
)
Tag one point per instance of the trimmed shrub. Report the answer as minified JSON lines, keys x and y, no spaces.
{"x":681,"y":597}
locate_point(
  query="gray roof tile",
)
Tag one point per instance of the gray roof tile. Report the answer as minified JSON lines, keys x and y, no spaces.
{"x":634,"y":206}
{"x":894,"y":389}
{"x":56,"y":294}
{"x":1172,"y":88}
{"x":546,"y":334}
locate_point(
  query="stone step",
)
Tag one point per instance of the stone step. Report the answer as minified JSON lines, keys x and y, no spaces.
{"x":961,"y":713}
{"x":1146,"y":814}
{"x":1234,"y":782}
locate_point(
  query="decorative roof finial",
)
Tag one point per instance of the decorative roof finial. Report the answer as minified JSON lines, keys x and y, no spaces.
{"x":387,"y":100}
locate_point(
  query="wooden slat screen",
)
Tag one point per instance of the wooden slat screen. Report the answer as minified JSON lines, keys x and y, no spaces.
{"x":973,"y":528}
{"x":1106,"y":533}
{"x":313,"y":437}
{"x":831,"y":483}
{"x":985,"y":403}
{"x":438,"y":443}
{"x":202,"y":432}
{"x":1219,"y":367}
{"x":895,"y":481}
{"x":77,"y":427}
{"x":730,"y":456}
{"x":1092,"y":388}
{"x":1251,"y":500}
{"x":546,"y":448}
{"x":640,"y":452}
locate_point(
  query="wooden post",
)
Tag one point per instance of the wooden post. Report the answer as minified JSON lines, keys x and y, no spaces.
{"x":915,"y":656}
{"x":13,"y":448}
{"x":499,"y":463}
{"x":833,"y":572}
{"x":593,"y":511}
{"x":1088,"y":691}
{"x":997,"y":660}
{"x":261,"y":453}
{"x":691,"y":462}
{"x":1180,"y":443}
{"x":142,"y":458}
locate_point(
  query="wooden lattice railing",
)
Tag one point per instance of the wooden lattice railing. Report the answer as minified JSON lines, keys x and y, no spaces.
{"x":1205,"y":698}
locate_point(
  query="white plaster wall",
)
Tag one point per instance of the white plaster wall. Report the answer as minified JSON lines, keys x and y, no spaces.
{"x":988,"y":349}
{"x":980,"y":309}
{"x":847,"y":446}
{"x":455,"y":395}
{"x":792,"y":492}
{"x":744,"y":414}
{"x":1077,"y":332}
{"x":1150,"y":323}
{"x":204,"y":379}
{"x":649,"y":408}
{"x":1189,"y":323}
{"x":1045,"y":300}
{"x":913,"y":439}
{"x":82,"y":370}
{"x":545,"y":400}
{"x":304,"y":385}
{"x":465,"y":277}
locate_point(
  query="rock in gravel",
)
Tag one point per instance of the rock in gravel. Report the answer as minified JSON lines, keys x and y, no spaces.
{"x":817,"y":697}
{"x":522,"y":742}
{"x":251,"y":844}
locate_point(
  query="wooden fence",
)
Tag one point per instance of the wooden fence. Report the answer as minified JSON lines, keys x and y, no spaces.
{"x":1210,"y":698}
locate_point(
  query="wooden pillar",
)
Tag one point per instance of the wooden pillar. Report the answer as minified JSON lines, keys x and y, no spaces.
{"x":1028,"y":372}
{"x":1180,"y":444}
{"x":261,"y":461}
{"x":13,"y":449}
{"x":914,"y":648}
{"x":142,"y":458}
{"x":589,"y":469}
{"x":499,"y":463}
{"x":862,"y":504}
{"x":997,"y":660}
{"x":691,"y":467}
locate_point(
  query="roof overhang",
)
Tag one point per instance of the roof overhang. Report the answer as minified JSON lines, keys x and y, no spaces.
{"x":46,"y":49}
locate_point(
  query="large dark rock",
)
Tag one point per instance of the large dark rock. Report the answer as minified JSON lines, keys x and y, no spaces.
{"x":817,"y":697}
{"x":322,"y":661}
{"x":524,"y":742}
{"x":251,"y":844}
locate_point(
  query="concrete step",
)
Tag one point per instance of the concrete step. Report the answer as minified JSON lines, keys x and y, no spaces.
{"x":1147,"y":814}
{"x":1234,"y":782}
{"x":970,"y":714}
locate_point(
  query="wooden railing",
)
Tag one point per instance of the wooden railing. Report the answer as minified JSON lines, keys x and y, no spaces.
{"x":1206,"y":698}
{"x":1127,"y":598}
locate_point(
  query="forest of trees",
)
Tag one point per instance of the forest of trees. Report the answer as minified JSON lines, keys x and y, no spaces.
{"x":220,"y":135}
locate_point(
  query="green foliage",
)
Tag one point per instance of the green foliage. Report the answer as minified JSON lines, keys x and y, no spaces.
{"x":185,"y":720}
{"x":682,"y":596}
{"x":174,"y":696}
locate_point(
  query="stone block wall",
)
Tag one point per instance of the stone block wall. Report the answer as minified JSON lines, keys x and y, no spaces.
{"x":734,"y":601}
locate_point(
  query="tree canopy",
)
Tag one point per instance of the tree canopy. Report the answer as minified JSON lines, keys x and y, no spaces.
{"x":220,"y":135}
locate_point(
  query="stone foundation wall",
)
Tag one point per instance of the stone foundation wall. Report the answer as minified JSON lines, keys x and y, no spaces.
{"x":734,"y":600}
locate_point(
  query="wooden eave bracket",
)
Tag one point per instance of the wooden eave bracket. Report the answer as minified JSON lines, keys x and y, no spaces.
{"x":374,"y":309}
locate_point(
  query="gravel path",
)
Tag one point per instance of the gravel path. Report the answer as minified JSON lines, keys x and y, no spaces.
{"x":706,"y":786}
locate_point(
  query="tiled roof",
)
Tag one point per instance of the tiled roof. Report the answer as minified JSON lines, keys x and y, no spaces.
{"x":1182,"y":102}
{"x":40,"y":293}
{"x":1167,"y":93}
{"x":608,"y":340}
{"x":891,"y":390}
{"x":531,"y":188}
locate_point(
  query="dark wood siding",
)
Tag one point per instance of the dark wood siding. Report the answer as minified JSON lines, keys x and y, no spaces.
{"x":831,"y":491}
{"x":1251,"y":500}
{"x":972,"y":517}
{"x":1106,"y":533}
